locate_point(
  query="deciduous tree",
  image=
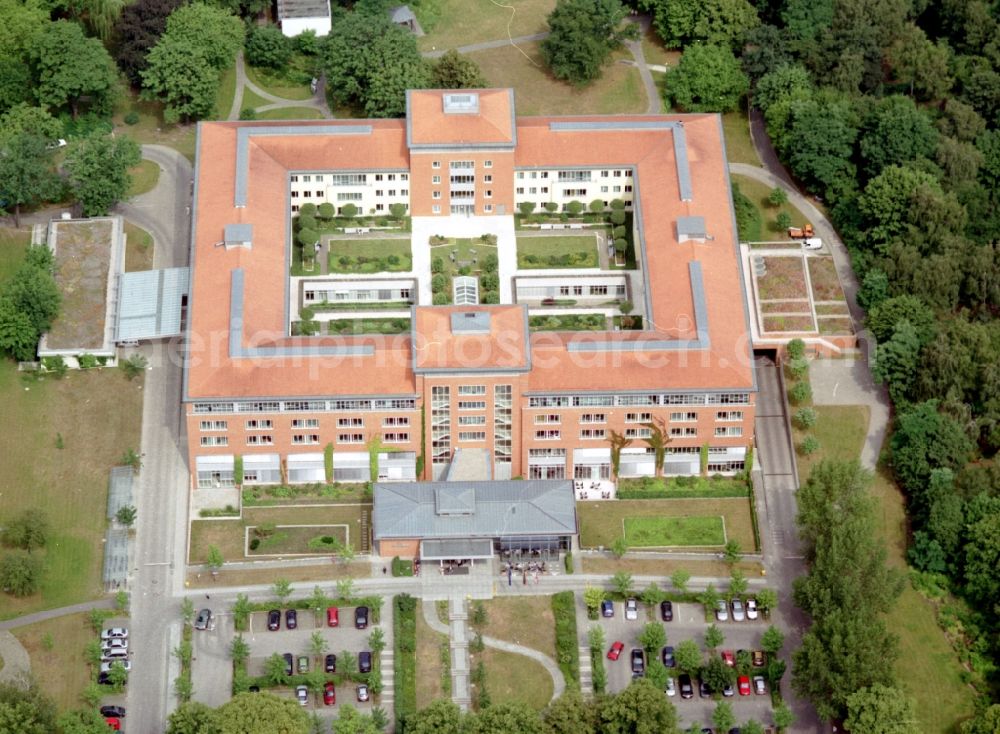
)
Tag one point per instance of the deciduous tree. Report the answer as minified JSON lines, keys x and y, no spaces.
{"x":881,"y":709}
{"x":456,"y":71}
{"x":583,"y":33}
{"x":20,"y":573}
{"x":261,"y":713}
{"x":69,"y":66}
{"x":98,"y":169}
{"x":707,"y":79}
{"x":639,"y":708}
{"x":137,"y":31}
{"x":26,"y":174}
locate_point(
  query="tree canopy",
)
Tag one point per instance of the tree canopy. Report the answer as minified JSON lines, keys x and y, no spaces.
{"x":707,"y":79}
{"x":70,"y":66}
{"x":99,"y":171}
{"x":582,"y":35}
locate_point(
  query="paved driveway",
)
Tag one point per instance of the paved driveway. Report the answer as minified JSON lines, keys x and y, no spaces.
{"x":688,"y":624}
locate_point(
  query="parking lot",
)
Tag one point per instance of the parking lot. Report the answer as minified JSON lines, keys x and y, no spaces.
{"x":212,"y":667}
{"x":688,"y":624}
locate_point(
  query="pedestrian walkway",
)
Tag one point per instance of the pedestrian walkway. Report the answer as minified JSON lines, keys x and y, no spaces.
{"x":586,"y":671}
{"x":317,"y":102}
{"x":27,"y":619}
{"x":16,"y":662}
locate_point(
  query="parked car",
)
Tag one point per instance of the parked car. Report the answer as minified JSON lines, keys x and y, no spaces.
{"x":114,"y":633}
{"x":631,"y":609}
{"x":204,"y":619}
{"x":757,"y":658}
{"x":106,"y":666}
{"x":361,"y":617}
{"x":330,"y":663}
{"x":687,"y":690}
{"x":759,"y":687}
{"x":103,"y":679}
{"x":607,"y":608}
{"x":291,"y":619}
{"x":115,"y":643}
{"x":739,"y":615}
{"x":752,"y":609}
{"x":667,"y":611}
{"x":616,"y":650}
{"x":362,"y":692}
{"x":638,"y":662}
{"x":728,"y":658}
{"x":119,"y":653}
{"x":289,"y":662}
{"x":704,"y":690}
{"x":365,"y":662}
{"x":303,"y":664}
{"x":728,"y":691}
{"x":117,"y":712}
{"x":332,"y":617}
{"x":812,"y":243}
{"x":274,"y":620}
{"x":113,"y":723}
{"x":302,"y":694}
{"x":668,"y":657}
{"x":743,"y":683}
{"x":671,"y":687}
{"x":721,"y":611}
{"x":329,"y":695}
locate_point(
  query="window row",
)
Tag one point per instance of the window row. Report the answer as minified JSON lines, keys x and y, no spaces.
{"x":572,"y":175}
{"x":346,"y":179}
{"x":588,"y":401}
{"x":313,"y":406}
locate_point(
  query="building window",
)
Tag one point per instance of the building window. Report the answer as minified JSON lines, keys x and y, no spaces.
{"x":598,"y":290}
{"x":350,"y":422}
{"x":593,"y":418}
{"x":472,"y":405}
{"x":638,"y":432}
{"x":436,"y":195}
{"x":547,"y":419}
{"x":605,"y":174}
{"x":295,"y":194}
{"x":472,"y":435}
{"x":685,"y":417}
{"x":294,"y":178}
{"x":404,"y":192}
{"x":260,"y":424}
{"x":729,"y":415}
{"x":728,"y":431}
{"x":488,"y":208}
{"x":214,"y":441}
{"x":550,"y":434}
{"x":305,"y":438}
{"x":379,"y":177}
{"x":520,"y":175}
{"x":547,"y":472}
{"x":435,"y":164}
{"x":305,"y":423}
{"x":487,"y":164}
{"x":391,"y":177}
{"x":435,"y":180}
{"x":616,"y":189}
{"x":684,"y":432}
{"x":592,"y":434}
{"x":260,"y":440}
{"x":472,"y":389}
{"x":604,"y":189}
{"x":395,"y":421}
{"x":436,"y":209}
{"x":306,"y":179}
{"x":404,"y":177}
{"x":628,"y":189}
{"x":295,"y":208}
{"x":214,"y":425}
{"x":488,"y":178}
{"x":520,"y":190}
{"x":396,"y":437}
{"x":472,"y":420}
{"x":638,"y":417}
{"x":350,"y":438}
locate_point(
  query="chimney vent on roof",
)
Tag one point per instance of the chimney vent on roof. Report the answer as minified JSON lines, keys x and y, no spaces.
{"x":691,"y":228}
{"x":466,"y":103}
{"x":238,"y":235}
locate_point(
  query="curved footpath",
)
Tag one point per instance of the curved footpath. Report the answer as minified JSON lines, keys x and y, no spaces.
{"x":15,"y":658}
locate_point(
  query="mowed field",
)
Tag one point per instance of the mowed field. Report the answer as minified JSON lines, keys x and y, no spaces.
{"x":98,"y":413}
{"x":454,"y":23}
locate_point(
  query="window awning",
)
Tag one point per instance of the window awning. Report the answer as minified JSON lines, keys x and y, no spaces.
{"x":305,"y":461}
{"x":591,"y":456}
{"x":261,"y":461}
{"x":350,"y":460}
{"x":459,"y":548}
{"x":222,"y":462}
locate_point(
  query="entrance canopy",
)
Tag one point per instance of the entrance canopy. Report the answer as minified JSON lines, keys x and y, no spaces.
{"x":446,"y":550}
{"x":150,"y":304}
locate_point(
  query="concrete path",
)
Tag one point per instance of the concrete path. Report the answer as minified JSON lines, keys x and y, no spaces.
{"x":16,"y":662}
{"x":654,"y":101}
{"x":316,"y":102}
{"x":26,"y":619}
{"x":558,"y":682}
{"x":483,"y":46}
{"x":167,"y":206}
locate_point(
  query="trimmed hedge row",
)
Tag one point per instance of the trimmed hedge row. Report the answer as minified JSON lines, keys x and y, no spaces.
{"x":404,"y":621}
{"x":567,"y":649}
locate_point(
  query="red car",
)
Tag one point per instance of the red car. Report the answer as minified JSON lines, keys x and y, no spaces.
{"x":329,"y":695}
{"x":744,"y":685}
{"x":616,"y":650}
{"x":332,"y":617}
{"x":728,"y":658}
{"x":114,"y":723}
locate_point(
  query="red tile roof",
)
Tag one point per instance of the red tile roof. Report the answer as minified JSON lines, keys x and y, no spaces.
{"x":431,"y":125}
{"x":504,"y":347}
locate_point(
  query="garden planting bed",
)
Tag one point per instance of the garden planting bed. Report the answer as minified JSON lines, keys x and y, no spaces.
{"x":570,"y":322}
{"x":835,"y":308}
{"x":368,"y":326}
{"x":823,"y":276}
{"x":787,"y":306}
{"x":785,"y":279}
{"x":835,"y":325}
{"x":557,"y":251}
{"x":670,"y":532}
{"x":294,"y":540}
{"x":363,"y":255}
{"x":788,"y":323}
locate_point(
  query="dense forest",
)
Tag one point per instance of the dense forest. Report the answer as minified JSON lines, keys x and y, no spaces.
{"x":889,"y":112}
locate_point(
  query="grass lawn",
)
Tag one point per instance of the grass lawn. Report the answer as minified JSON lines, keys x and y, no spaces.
{"x":138,"y":248}
{"x":758,"y":192}
{"x":278,"y":82}
{"x":663,"y":567}
{"x":537,"y":92}
{"x":602,"y":522}
{"x":227,"y":91}
{"x":788,"y":323}
{"x":69,"y":484}
{"x":252,"y":100}
{"x":368,"y":326}
{"x":453,"y":23}
{"x":841,"y":431}
{"x":684,"y":487}
{"x":792,"y":306}
{"x":665,"y":532}
{"x":291,"y":113}
{"x":739,"y":146}
{"x":570,"y":322}
{"x":56,"y":650}
{"x":144,"y":177}
{"x":228,"y":534}
{"x":511,"y":677}
{"x":249,"y":577}
{"x":824,"y":279}
{"x":151,"y":128}
{"x":557,"y":251}
{"x":508,"y":619}
{"x":345,"y":255}
{"x":430,"y":668}
{"x":12,"y":246}
{"x":655,"y":52}
{"x":784,"y":279}
{"x":296,"y":540}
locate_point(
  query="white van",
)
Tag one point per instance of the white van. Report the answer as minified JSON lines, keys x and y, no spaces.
{"x":812,"y":243}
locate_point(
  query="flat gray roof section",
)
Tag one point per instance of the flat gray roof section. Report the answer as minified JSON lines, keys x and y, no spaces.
{"x":119,"y":489}
{"x":507,"y":508}
{"x":470,"y":322}
{"x":150,"y":302}
{"x":691,"y":226}
{"x":303,"y":9}
{"x":446,"y":550}
{"x":243,"y":135}
{"x":238,"y":235}
{"x":469,"y":465}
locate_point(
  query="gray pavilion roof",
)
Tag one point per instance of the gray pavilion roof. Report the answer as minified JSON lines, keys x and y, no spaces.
{"x":474,"y":509}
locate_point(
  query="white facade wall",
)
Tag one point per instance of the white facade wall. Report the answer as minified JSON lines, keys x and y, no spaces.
{"x":294,"y":26}
{"x":370,"y":192}
{"x":352,"y":291}
{"x":581,"y":288}
{"x":542,"y":186}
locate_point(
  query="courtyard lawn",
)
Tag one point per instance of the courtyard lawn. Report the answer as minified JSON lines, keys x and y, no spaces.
{"x":150,"y":127}
{"x":507,"y":616}
{"x":289,"y":82}
{"x":227,"y":534}
{"x":138,"y":248}
{"x":569,"y":322}
{"x":430,"y":666}
{"x":289,"y":541}
{"x":291,"y":113}
{"x":841,"y":431}
{"x":668,"y":532}
{"x":739,"y":145}
{"x":380,"y":255}
{"x":758,"y":192}
{"x":254,"y":576}
{"x":226,"y":93}
{"x":252,"y":100}
{"x":13,"y":243}
{"x":454,"y":23}
{"x":537,"y":92}
{"x":144,"y":177}
{"x":512,"y":677}
{"x":681,"y":487}
{"x":601,"y":523}
{"x":368,"y":326}
{"x":56,"y":651}
{"x":656,"y":53}
{"x":557,"y":251}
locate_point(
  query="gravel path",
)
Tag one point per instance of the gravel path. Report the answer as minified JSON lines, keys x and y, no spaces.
{"x":15,"y":658}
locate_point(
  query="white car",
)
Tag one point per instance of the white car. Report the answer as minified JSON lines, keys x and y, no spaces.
{"x":302,"y":694}
{"x":631,"y":609}
{"x":671,"y":687}
{"x":752,"y":609}
{"x":738,"y":614}
{"x":106,"y":665}
{"x":722,"y":610}
{"x":113,"y":633}
{"x":812,"y":243}
{"x":115,"y":643}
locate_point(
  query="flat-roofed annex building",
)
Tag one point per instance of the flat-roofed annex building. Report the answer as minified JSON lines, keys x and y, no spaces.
{"x":542,"y":403}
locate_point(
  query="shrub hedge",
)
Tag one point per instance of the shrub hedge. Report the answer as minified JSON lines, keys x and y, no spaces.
{"x":404,"y":621}
{"x":567,"y":650}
